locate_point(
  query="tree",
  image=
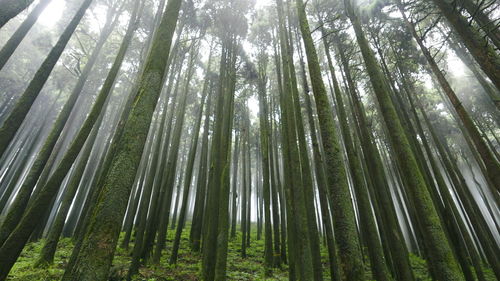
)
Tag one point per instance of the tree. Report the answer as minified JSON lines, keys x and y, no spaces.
{"x":98,"y":246}
{"x":441,"y":258}
{"x":343,"y":213}
{"x":21,"y":32}
{"x":11,"y":8}
{"x":12,"y":123}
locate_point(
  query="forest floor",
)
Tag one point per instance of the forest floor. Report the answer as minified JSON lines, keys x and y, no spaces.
{"x":187,"y":268}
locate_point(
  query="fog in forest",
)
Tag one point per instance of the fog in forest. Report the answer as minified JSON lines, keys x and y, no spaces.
{"x":250,"y":140}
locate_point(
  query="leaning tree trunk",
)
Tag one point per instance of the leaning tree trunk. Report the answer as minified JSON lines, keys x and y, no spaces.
{"x":98,"y":246}
{"x":11,"y":8}
{"x":16,"y":38}
{"x":343,"y":212}
{"x":490,"y":162}
{"x":441,"y":258}
{"x":397,"y":246}
{"x":187,"y":182}
{"x":367,"y":218}
{"x":47,"y":254}
{"x":23,"y":105}
{"x":39,"y":172}
{"x":478,"y":46}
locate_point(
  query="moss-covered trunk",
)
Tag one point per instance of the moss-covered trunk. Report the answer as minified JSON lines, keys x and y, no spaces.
{"x":39,"y":172}
{"x":484,"y":53}
{"x":441,"y":258}
{"x":343,"y":213}
{"x":265,"y":150}
{"x":98,"y":246}
{"x":490,"y":162}
{"x":12,"y":123}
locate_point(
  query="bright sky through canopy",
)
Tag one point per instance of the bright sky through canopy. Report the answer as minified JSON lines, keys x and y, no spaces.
{"x":52,"y":13}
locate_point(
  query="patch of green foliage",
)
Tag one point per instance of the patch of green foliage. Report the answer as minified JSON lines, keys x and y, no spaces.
{"x":24,"y":269}
{"x":420,"y":269}
{"x":188,"y":266}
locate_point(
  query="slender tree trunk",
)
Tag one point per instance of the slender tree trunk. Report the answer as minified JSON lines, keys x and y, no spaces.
{"x":11,"y":8}
{"x":484,"y":53}
{"x":367,"y":218}
{"x":172,"y":163}
{"x":343,"y":213}
{"x":16,"y":38}
{"x":201,"y":194}
{"x":489,"y":160}
{"x":265,"y":150}
{"x":441,"y":258}
{"x":234,"y":207}
{"x":217,"y":220}
{"x":39,"y":172}
{"x":98,"y":246}
{"x":187,"y":182}
{"x":12,"y":123}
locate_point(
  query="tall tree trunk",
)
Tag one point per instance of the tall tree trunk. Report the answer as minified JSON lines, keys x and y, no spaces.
{"x":264,"y":149}
{"x":367,"y":218}
{"x":187,"y":181}
{"x":441,"y":258}
{"x":490,"y":162}
{"x":480,"y":49}
{"x":234,"y":207}
{"x":343,"y":213}
{"x":199,"y":206}
{"x":399,"y":251}
{"x":98,"y":246}
{"x":11,"y":8}
{"x":12,"y":123}
{"x":16,"y":38}
{"x":45,"y":159}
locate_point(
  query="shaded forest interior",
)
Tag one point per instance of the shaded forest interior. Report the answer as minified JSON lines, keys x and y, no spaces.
{"x":250,"y":140}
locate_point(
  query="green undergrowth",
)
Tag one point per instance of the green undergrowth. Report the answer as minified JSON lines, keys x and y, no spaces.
{"x":188,"y":265}
{"x":187,"y":268}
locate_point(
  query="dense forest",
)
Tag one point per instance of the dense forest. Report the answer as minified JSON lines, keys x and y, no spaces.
{"x":250,"y":140}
